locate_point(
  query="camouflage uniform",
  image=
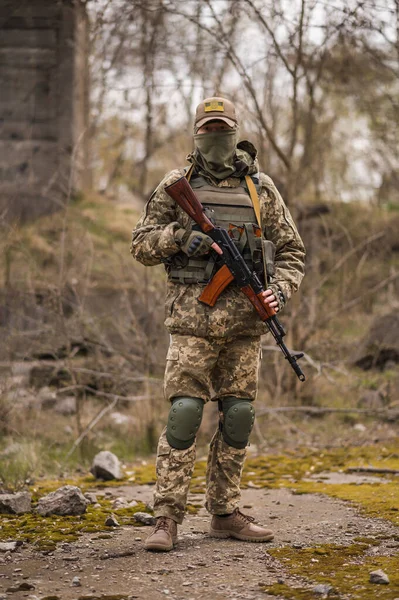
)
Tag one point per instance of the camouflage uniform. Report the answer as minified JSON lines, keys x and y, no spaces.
{"x":214,"y":352}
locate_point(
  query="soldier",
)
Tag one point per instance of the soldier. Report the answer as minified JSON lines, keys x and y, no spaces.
{"x":214,"y":353}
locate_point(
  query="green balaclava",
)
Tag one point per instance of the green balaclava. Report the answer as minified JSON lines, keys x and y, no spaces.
{"x":216,"y":152}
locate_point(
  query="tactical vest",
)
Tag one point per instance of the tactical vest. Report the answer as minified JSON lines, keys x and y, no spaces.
{"x":232,"y":209}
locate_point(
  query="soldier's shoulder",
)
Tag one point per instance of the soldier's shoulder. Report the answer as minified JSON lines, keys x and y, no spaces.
{"x":171,"y":177}
{"x":266,"y":182}
{"x":268,"y":188}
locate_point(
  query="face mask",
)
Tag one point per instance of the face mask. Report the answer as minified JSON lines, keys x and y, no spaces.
{"x":217,"y":151}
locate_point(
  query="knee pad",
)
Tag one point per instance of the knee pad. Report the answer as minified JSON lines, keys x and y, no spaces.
{"x":238,"y":420}
{"x":184,"y":419}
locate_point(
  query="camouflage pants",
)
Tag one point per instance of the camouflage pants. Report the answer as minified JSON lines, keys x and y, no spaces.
{"x":202,"y":368}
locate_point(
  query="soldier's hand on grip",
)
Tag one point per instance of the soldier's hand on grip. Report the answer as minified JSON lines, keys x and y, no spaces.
{"x":196,"y":243}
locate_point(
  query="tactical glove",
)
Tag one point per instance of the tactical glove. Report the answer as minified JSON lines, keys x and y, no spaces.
{"x":278,"y":294}
{"x":193,"y":243}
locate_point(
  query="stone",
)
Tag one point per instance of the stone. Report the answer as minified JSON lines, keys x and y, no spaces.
{"x":76,"y":581}
{"x":119,"y":503}
{"x":13,"y":448}
{"x":66,"y":405}
{"x":360,"y":427}
{"x":9,"y":546}
{"x":323,"y":589}
{"x":379,"y":577}
{"x":17,"y":504}
{"x":381,"y":343}
{"x":372,"y":400}
{"x":144,"y":518}
{"x":106,"y":466}
{"x":47,"y":397}
{"x":111,"y":521}
{"x":67,"y":500}
{"x":120,"y":419}
{"x":91,"y":497}
{"x":22,"y":587}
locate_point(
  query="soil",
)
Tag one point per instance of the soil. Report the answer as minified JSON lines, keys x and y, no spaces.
{"x":200,"y":567}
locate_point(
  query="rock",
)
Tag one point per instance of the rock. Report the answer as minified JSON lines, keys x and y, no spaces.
{"x":67,"y":500}
{"x":91,"y":497}
{"x":76,"y":581}
{"x":17,"y":504}
{"x":23,"y":587}
{"x":47,"y":397}
{"x":323,"y":589}
{"x":144,"y":518}
{"x":106,"y":466}
{"x":371,"y":399}
{"x":66,"y":405}
{"x":111,"y":521}
{"x":379,"y":577}
{"x":120,"y":419}
{"x":119,"y":503}
{"x":381,"y":344}
{"x":13,"y":448}
{"x":132,"y":503}
{"x":9,"y":546}
{"x":360,"y":427}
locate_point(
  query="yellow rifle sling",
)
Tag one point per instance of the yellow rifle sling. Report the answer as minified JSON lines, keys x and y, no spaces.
{"x":254,"y":197}
{"x":189,"y":173}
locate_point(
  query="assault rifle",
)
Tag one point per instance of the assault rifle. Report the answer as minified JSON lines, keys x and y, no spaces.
{"x":234,"y":268}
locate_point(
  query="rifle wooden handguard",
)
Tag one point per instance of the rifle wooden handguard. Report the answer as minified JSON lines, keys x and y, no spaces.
{"x":215,"y":287}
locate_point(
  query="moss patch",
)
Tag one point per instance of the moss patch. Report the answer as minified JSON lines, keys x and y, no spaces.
{"x":346,"y":569}
{"x":46,"y":532}
{"x":375,"y":499}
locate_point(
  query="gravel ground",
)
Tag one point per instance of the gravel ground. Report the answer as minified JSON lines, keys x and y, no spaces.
{"x":200,"y":567}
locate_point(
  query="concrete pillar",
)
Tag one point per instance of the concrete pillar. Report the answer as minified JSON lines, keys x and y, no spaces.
{"x":43,"y":106}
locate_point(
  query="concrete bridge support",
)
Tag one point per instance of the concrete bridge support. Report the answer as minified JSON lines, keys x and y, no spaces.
{"x":43,"y":106}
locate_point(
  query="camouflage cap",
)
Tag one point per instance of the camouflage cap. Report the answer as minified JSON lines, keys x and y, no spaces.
{"x":215,"y":108}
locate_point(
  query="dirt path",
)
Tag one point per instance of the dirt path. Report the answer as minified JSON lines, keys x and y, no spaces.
{"x":200,"y":567}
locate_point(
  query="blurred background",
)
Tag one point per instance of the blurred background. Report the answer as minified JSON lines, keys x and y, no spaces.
{"x":96,"y":105}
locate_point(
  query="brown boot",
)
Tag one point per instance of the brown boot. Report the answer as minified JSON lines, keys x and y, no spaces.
{"x":164,"y":536}
{"x":239,"y":526}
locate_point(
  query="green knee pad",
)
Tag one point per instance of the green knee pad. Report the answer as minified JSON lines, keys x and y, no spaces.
{"x":184,"y":419}
{"x":238,"y":420}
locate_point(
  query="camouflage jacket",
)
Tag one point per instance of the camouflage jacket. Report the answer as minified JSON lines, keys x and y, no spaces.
{"x":153,"y":242}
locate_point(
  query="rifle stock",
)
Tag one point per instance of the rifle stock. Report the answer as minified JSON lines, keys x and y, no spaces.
{"x":182,"y":193}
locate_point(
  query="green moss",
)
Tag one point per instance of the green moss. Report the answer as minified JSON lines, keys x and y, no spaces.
{"x":287,"y":592}
{"x":291,"y":471}
{"x":193,"y":509}
{"x":375,"y":500}
{"x":346,"y":569}
{"x":46,"y":532}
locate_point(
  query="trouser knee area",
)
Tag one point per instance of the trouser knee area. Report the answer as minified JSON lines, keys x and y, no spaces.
{"x":184,"y":420}
{"x":238,"y":420}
